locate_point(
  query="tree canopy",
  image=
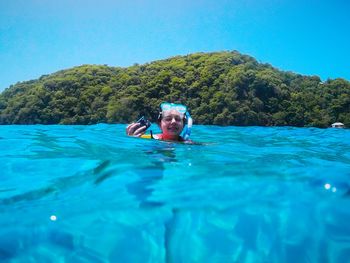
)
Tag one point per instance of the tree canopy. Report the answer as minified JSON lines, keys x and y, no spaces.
{"x":221,"y":88}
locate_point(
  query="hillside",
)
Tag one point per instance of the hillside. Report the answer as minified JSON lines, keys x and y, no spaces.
{"x":222,"y":88}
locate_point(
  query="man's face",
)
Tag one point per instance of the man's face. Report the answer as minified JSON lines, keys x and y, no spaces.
{"x":171,"y":123}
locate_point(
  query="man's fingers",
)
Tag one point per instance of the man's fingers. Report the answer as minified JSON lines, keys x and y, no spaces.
{"x":140,"y":131}
{"x":132,"y":128}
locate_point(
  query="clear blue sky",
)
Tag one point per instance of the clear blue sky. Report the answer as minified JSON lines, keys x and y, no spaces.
{"x":43,"y":36}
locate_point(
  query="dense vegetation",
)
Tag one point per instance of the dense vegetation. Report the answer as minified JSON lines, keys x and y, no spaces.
{"x":223,"y":88}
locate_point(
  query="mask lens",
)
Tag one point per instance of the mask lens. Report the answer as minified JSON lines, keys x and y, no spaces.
{"x":165,"y":106}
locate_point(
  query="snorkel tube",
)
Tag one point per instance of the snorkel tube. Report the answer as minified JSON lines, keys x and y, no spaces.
{"x":186,"y":132}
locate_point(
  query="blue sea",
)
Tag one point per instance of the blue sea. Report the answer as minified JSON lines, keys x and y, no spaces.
{"x":241,"y":194}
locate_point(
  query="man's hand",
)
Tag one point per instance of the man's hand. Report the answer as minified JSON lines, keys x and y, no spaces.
{"x":135,"y":130}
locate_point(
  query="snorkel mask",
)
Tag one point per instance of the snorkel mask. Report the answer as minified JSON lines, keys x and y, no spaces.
{"x":182,"y":109}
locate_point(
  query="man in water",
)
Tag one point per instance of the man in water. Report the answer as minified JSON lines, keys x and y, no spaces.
{"x":174,"y":120}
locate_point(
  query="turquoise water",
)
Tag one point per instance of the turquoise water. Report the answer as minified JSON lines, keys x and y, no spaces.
{"x":247,"y":194}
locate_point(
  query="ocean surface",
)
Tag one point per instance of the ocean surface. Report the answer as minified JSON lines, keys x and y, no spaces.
{"x":242,"y":194}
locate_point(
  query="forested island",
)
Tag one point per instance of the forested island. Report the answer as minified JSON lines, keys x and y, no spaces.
{"x":220,"y":88}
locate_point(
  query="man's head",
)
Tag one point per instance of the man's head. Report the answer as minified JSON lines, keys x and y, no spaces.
{"x":171,"y":119}
{"x":171,"y":123}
